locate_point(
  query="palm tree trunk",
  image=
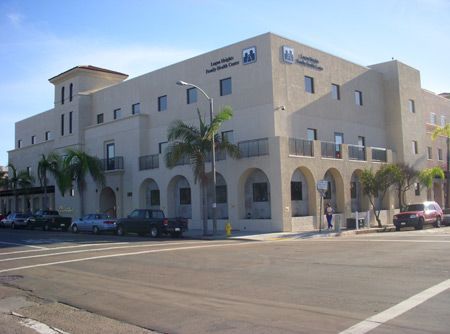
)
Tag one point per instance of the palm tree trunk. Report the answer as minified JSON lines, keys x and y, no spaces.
{"x":80,"y":192}
{"x":204,"y":207}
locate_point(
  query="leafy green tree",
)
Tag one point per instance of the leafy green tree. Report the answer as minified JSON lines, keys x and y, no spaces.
{"x":404,"y":177}
{"x":445,"y":132}
{"x":427,"y":175}
{"x":188,"y":142}
{"x":76,"y":166}
{"x":376,"y":185}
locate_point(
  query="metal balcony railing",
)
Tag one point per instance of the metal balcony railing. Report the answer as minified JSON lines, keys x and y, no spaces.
{"x":379,"y":154}
{"x":149,"y":162}
{"x":115,"y":163}
{"x":356,"y":152}
{"x":301,"y":147}
{"x":331,"y":150}
{"x":254,"y":148}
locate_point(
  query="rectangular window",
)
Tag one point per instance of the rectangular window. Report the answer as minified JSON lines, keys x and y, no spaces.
{"x":361,"y":141}
{"x":358,"y":98}
{"x":99,"y":118}
{"x":19,"y":143}
{"x":433,"y":118}
{"x":62,"y":125}
{"x":311,"y":134}
{"x":70,"y":121}
{"x":415,"y":148}
{"x":417,"y":189}
{"x":48,"y":135}
{"x":443,"y":121}
{"x":33,"y":140}
{"x":296,"y":191}
{"x":162,"y":147}
{"x":221,"y":194}
{"x":136,"y":109}
{"x":309,"y":84}
{"x":335,"y":92}
{"x":117,"y":113}
{"x":260,"y":192}
{"x":411,"y":106}
{"x":28,"y":170}
{"x":225,"y":87}
{"x":440,"y":154}
{"x":185,"y":196}
{"x":162,"y":103}
{"x":228,"y":136}
{"x":154,"y":197}
{"x":191,"y":95}
{"x":430,"y":153}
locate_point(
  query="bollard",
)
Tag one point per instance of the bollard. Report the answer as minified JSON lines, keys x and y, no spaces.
{"x":337,"y":223}
{"x":228,"y":229}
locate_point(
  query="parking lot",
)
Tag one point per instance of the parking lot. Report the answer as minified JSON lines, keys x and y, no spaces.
{"x":84,"y":283}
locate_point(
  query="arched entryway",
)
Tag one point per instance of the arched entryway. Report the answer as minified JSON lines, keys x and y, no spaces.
{"x":149,"y":195}
{"x":302,"y":193}
{"x":335,"y":192}
{"x":359,"y":202}
{"x":254,"y":190}
{"x":179,"y":201}
{"x":221,"y":197}
{"x":108,"y":202}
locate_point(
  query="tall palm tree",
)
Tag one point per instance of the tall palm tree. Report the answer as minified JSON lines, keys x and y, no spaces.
{"x":195,"y":144}
{"x":77,"y":165}
{"x":52,"y":164}
{"x":16,"y":180}
{"x":445,"y":132}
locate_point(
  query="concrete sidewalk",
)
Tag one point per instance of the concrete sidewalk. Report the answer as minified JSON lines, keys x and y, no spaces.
{"x":255,"y":236}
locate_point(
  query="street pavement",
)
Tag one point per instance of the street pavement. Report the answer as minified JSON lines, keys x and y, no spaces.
{"x":309,"y":282}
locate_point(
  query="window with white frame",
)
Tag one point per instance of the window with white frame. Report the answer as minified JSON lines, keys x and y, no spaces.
{"x":433,"y":118}
{"x":430,"y":152}
{"x":358,"y":98}
{"x":440,"y":154}
{"x":415,"y":148}
{"x":411,"y":106}
{"x":443,"y":121}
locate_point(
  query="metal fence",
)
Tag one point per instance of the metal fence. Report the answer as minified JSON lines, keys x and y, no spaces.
{"x":149,"y":162}
{"x":379,"y":154}
{"x":331,"y":150}
{"x":356,"y":152}
{"x":112,"y":163}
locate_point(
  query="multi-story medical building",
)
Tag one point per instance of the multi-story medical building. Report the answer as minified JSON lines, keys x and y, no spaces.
{"x":300,"y":115}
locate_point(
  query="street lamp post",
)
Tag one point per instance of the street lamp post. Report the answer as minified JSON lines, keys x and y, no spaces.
{"x":213,"y":151}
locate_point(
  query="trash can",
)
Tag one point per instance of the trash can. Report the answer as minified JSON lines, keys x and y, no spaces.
{"x":337,"y":223}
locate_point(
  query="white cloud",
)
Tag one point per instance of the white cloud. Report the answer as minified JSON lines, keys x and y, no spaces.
{"x":15,"y":19}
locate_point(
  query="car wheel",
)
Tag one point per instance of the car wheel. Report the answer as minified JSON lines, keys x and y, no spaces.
{"x":438,"y":222}
{"x":74,"y":228}
{"x":95,"y":230}
{"x":120,"y":230}
{"x":419,"y":225}
{"x":154,"y":231}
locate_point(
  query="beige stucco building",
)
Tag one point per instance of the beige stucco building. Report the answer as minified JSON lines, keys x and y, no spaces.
{"x":300,"y":115}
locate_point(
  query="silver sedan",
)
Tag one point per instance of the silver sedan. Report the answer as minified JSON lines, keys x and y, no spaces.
{"x":95,"y":223}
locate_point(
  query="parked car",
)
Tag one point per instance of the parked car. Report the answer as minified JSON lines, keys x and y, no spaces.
{"x":418,"y":215}
{"x":95,"y":223}
{"x":16,"y":220}
{"x":153,"y":222}
{"x":446,"y":217}
{"x":49,"y":219}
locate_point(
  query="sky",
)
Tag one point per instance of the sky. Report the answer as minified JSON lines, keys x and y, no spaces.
{"x":42,"y":38}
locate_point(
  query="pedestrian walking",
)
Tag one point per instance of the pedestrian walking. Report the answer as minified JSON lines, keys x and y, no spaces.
{"x":329,"y":214}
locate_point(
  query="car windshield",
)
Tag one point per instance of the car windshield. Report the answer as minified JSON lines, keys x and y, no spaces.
{"x":414,"y":207}
{"x":22,"y":215}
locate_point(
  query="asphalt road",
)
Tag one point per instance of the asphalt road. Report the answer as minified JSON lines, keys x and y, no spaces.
{"x":107,"y":284}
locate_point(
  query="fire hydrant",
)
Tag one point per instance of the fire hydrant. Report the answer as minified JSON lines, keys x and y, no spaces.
{"x":228,"y":229}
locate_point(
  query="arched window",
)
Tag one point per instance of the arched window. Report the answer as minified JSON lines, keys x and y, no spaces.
{"x":62,"y":95}
{"x":71,"y":92}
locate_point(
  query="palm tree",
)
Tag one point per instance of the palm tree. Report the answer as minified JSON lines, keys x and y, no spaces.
{"x":445,"y":132}
{"x":21,"y":179}
{"x":52,"y":164}
{"x":77,"y":164}
{"x":195,"y":144}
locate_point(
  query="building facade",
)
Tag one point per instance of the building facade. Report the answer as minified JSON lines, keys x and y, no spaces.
{"x":300,"y":115}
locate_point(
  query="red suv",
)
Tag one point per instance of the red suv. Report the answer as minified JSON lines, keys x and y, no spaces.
{"x":419,"y":214}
